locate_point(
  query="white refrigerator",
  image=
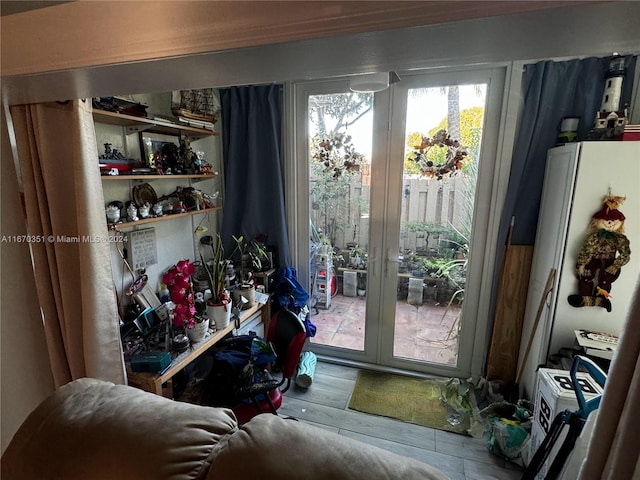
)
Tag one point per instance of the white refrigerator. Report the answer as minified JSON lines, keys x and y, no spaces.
{"x":577,"y":177}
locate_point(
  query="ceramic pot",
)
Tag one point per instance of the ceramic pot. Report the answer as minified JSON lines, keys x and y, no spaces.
{"x":132,"y":213}
{"x":198,"y":332}
{"x":143,"y":211}
{"x":113,"y":213}
{"x":219,"y":314}
{"x":246,"y":291}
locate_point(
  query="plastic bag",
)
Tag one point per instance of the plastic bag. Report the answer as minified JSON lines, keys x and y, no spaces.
{"x":509,"y":430}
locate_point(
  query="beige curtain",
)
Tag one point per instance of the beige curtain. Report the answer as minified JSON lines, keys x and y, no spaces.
{"x":614,"y":449}
{"x":58,"y":161}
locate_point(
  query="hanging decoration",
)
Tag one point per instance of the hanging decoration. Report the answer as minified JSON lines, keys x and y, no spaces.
{"x":451,"y":163}
{"x":604,"y":252}
{"x":337,"y":154}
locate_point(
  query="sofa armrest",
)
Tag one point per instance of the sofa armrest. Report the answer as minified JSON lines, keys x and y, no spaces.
{"x":90,"y":429}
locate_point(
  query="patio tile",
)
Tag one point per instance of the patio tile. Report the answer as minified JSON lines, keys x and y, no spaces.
{"x":416,"y":332}
{"x":353,"y":342}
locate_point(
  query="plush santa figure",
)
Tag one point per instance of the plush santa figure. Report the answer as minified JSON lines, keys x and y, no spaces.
{"x":603,"y":254}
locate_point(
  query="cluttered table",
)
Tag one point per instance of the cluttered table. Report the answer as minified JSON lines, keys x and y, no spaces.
{"x":160,"y":383}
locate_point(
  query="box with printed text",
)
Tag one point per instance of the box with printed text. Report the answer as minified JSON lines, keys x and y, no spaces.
{"x":554,"y":395}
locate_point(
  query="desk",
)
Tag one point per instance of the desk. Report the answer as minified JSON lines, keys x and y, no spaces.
{"x":153,"y":382}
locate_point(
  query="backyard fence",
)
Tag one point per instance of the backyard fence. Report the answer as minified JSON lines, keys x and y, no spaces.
{"x":449,"y":203}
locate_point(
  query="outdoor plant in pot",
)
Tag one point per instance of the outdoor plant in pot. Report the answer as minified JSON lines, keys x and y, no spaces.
{"x":361,"y":284}
{"x":219,"y":304}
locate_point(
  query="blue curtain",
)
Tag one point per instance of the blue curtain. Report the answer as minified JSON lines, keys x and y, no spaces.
{"x":254,"y":202}
{"x":552,"y":90}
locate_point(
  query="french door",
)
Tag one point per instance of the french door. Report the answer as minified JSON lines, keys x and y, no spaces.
{"x":397,"y":213}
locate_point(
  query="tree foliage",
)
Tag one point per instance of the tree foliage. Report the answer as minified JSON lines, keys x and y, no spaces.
{"x":336,"y":112}
{"x":331,"y":116}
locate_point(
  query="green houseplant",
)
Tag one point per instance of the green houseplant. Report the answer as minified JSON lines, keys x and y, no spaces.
{"x":249,"y":256}
{"x":218,"y":305}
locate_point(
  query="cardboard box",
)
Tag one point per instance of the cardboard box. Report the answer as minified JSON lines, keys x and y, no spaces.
{"x":554,"y":395}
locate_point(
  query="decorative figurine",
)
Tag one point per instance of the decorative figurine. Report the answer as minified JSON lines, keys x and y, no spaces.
{"x":113,"y":213}
{"x":604,"y":252}
{"x":132,"y":212}
{"x":157,"y":209}
{"x":612,"y":116}
{"x":143,"y":210}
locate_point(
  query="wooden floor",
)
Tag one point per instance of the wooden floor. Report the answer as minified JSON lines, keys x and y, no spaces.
{"x":325,"y":404}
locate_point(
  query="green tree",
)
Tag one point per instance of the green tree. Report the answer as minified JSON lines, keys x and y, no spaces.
{"x":330,"y":116}
{"x":336,"y":112}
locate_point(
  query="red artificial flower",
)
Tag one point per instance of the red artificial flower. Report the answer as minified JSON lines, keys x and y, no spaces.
{"x":185,"y":267}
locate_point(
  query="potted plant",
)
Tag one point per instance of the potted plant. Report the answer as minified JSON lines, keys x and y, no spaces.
{"x":218,"y":305}
{"x":184,"y":313}
{"x":356,"y":256}
{"x":250,"y":257}
{"x":361,"y":284}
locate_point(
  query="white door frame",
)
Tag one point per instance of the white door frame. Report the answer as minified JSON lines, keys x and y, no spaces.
{"x":503,"y":102}
{"x":477,"y":288}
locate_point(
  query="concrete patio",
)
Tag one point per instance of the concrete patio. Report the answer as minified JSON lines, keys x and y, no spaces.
{"x":422,"y":334}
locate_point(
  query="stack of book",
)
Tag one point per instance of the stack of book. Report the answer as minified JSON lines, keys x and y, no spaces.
{"x":195,"y":123}
{"x":631,"y":132}
{"x":597,"y":344}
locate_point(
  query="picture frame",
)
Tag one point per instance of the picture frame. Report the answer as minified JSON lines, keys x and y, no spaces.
{"x":152,"y":144}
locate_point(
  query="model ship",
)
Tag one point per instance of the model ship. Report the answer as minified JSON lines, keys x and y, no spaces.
{"x":196,"y":105}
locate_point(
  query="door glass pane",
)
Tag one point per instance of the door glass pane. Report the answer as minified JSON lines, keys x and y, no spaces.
{"x":340,"y":138}
{"x":442,"y":145}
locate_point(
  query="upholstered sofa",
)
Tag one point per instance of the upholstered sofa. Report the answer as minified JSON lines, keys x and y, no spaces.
{"x":90,"y":429}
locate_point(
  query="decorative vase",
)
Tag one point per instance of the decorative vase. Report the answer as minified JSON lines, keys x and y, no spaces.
{"x":219,"y":314}
{"x":143,"y":210}
{"x":198,"y":331}
{"x":246,"y":291}
{"x":113,"y":214}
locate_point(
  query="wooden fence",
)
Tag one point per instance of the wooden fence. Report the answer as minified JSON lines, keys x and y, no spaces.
{"x":446,"y":203}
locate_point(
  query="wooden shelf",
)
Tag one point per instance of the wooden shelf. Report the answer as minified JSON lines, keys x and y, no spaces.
{"x":135,"y":124}
{"x":119,"y":226}
{"x":158,"y":177}
{"x":152,"y":382}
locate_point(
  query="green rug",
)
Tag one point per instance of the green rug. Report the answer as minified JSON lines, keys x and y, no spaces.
{"x":414,"y":400}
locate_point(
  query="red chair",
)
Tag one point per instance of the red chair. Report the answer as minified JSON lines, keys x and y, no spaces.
{"x":287,"y":335}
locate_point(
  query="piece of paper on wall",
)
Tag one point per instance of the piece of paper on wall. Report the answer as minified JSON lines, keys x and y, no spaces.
{"x":144,"y":251}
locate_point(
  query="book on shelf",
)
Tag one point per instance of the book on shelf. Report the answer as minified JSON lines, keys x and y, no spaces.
{"x":195,"y":123}
{"x":597,"y":344}
{"x":631,"y":132}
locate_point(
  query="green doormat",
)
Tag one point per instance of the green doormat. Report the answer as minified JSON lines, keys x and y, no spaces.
{"x":425,"y":402}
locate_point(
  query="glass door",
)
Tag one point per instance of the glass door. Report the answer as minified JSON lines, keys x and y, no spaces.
{"x":395,"y":200}
{"x":443,"y":136}
{"x":339,"y":138}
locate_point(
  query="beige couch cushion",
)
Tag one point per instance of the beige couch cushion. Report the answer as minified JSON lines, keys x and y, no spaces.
{"x":275,"y":448}
{"x":112,"y":432}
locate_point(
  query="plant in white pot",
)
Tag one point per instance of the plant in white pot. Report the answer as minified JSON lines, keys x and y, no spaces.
{"x":219,"y":304}
{"x":184,"y":314}
{"x":250,"y":257}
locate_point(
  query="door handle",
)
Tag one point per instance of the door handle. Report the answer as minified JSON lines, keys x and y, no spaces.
{"x":390,"y":259}
{"x":371,"y":261}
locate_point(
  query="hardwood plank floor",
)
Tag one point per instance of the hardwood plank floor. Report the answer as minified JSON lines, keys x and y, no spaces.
{"x":325,"y":404}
